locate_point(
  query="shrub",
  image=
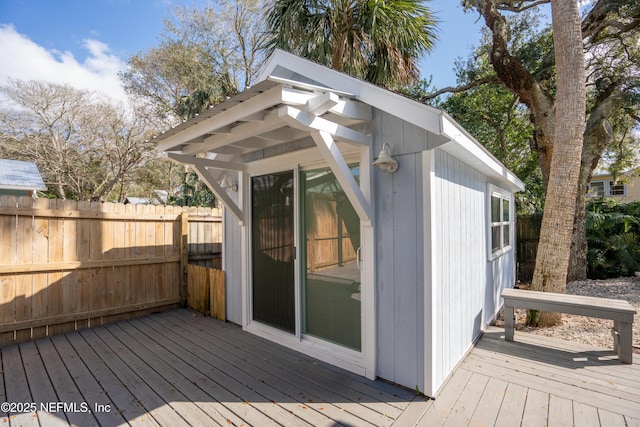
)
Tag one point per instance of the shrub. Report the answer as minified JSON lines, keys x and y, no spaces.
{"x":613,"y":231}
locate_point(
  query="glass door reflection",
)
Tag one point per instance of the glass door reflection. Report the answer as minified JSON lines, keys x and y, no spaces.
{"x":331,"y":278}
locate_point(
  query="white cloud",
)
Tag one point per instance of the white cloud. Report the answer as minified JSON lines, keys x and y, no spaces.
{"x":23,"y":59}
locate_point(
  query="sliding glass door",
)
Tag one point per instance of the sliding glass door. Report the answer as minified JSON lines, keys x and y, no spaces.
{"x":329,"y":230}
{"x":331,"y":273}
{"x":273,"y":250}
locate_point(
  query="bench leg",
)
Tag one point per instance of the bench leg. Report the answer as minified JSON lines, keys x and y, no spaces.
{"x":625,"y":350}
{"x":509,"y":323}
{"x":616,"y":336}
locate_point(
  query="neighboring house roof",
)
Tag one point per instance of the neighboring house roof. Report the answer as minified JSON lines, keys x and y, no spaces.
{"x":19,"y":175}
{"x":630,"y":174}
{"x":137,"y":200}
{"x":161,"y":197}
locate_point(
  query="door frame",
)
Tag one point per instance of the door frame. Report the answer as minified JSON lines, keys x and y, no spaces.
{"x":360,"y":362}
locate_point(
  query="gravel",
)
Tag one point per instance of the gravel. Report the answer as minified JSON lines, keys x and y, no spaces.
{"x":589,"y":330}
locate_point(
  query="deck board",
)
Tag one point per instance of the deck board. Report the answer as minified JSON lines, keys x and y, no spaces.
{"x":165,"y":359}
{"x":75,"y":370}
{"x":17,"y":387}
{"x":490,"y":402}
{"x":162,"y":392}
{"x":512,"y":407}
{"x":41,"y":388}
{"x":64,"y":386}
{"x":310,"y":394}
{"x":378,"y":391}
{"x":3,"y":394}
{"x":465,"y":406}
{"x":227,"y":383}
{"x":560,"y":411}
{"x":180,"y":368}
{"x":364,"y":393}
{"x":126,"y":403}
{"x":215,"y":376}
{"x":585,"y":415}
{"x":536,"y":409}
{"x":144,"y":393}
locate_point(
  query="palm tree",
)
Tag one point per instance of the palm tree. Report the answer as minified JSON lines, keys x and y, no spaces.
{"x":379,"y":41}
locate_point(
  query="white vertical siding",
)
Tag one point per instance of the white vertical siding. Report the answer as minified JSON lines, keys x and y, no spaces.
{"x":418,"y":346}
{"x":399,"y":253}
{"x":232,"y":265}
{"x":467,"y":286}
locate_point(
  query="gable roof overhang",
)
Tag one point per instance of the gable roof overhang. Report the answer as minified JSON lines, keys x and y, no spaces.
{"x":271,"y":115}
{"x":296,"y":104}
{"x":283,"y":66}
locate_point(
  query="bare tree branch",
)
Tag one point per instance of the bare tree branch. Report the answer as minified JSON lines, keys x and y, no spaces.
{"x":449,"y":89}
{"x":520,"y":6}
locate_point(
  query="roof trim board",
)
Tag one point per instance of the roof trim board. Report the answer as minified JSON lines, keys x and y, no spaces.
{"x":426,"y":117}
{"x":304,"y":95}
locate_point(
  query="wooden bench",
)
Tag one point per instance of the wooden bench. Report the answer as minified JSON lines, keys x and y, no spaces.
{"x":621,"y":312}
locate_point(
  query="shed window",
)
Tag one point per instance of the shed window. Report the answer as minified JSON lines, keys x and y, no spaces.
{"x":500,"y":225}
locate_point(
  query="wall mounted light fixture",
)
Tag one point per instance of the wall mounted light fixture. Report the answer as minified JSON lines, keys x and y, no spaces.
{"x":385,"y":161}
{"x":227,"y":183}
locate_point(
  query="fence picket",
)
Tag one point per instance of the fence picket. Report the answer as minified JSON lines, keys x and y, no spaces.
{"x":66,"y":265}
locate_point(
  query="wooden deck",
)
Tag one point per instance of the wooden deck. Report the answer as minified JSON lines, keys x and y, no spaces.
{"x":179,"y":368}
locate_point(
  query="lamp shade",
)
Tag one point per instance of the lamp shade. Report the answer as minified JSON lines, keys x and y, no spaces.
{"x":385,"y":161}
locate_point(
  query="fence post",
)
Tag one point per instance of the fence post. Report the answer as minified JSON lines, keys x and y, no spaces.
{"x":184,"y":257}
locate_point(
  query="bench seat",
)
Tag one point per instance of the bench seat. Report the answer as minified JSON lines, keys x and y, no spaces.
{"x":621,"y":312}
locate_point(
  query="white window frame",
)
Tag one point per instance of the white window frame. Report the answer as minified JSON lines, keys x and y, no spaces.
{"x":502,"y":195}
{"x":591,"y":193}
{"x":613,"y":184}
{"x":607,"y":188}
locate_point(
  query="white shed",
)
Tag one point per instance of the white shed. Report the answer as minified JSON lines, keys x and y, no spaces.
{"x":389,"y":274}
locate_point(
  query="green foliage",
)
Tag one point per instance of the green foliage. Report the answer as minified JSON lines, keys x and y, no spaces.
{"x":194,"y":192}
{"x":613,"y":236}
{"x":379,"y":41}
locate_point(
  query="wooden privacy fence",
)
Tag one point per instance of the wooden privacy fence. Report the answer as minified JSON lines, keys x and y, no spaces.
{"x":204,"y":236}
{"x":205,"y":291}
{"x":67,"y":265}
{"x":329,"y":243}
{"x":527,"y":236}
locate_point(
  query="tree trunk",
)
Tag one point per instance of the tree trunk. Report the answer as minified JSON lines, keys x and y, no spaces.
{"x":596,"y":138}
{"x":552,"y":261}
{"x":578,"y":255}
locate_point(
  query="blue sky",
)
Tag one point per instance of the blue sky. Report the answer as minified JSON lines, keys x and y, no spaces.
{"x":86,"y":42}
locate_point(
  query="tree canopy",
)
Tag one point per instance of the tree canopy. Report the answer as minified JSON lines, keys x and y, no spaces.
{"x":379,"y":41}
{"x":523,"y":61}
{"x":86,"y":147}
{"x":204,"y":55}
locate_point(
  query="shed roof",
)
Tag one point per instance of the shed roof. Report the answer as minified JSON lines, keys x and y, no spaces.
{"x":299,"y":104}
{"x":218,"y":131}
{"x":284,"y":66}
{"x":19,"y":175}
